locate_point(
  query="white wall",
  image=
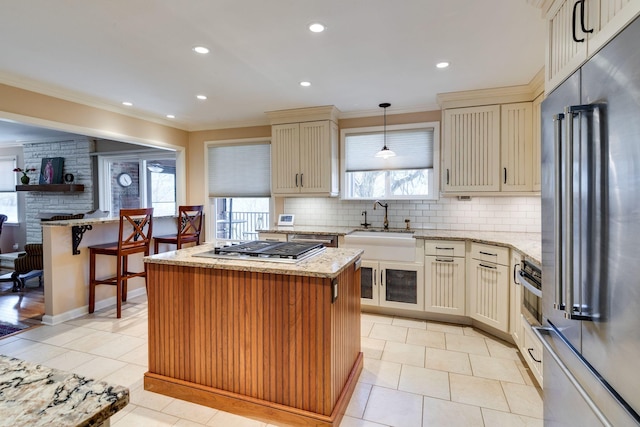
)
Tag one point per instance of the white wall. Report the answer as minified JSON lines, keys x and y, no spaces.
{"x":517,"y":214}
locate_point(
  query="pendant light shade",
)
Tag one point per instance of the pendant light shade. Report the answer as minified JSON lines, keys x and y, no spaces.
{"x":385,"y":153}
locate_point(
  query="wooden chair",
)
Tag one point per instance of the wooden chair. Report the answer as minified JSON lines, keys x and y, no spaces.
{"x":136,"y":227}
{"x":189,"y":227}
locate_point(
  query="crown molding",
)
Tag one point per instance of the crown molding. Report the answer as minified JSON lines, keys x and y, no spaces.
{"x":298,"y":115}
{"x":499,"y":95}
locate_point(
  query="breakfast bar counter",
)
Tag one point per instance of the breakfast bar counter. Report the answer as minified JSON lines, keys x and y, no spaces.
{"x":278,"y":342}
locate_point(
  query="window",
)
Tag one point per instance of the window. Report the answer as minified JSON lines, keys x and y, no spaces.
{"x":138,"y":182}
{"x":8,"y":195}
{"x":411,"y":174}
{"x":239,"y":189}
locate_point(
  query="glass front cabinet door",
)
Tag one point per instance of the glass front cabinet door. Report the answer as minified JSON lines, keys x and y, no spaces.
{"x":369,"y":282}
{"x":402,"y":285}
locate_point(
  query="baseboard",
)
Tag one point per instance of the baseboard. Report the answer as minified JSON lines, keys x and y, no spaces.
{"x":84,"y":310}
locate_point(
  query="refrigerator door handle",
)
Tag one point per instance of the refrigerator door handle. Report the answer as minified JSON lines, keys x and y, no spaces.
{"x":579,"y":311}
{"x":558,"y":302}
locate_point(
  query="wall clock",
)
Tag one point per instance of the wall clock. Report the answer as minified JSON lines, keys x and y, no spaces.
{"x":124,"y":179}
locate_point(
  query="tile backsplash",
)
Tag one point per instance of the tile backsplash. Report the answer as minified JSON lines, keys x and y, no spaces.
{"x":517,"y":214}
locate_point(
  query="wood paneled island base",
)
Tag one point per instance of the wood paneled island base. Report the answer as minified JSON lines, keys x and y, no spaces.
{"x":269,"y":346}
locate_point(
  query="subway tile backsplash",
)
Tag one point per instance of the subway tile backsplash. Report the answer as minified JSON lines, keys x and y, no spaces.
{"x":516,"y":214}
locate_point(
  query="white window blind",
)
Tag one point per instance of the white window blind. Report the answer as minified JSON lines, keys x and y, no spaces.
{"x":413,"y":148}
{"x":240,"y":170}
{"x":7,"y":175}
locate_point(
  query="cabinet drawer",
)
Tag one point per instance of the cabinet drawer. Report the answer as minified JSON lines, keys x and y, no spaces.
{"x":449,"y":248}
{"x":532,"y":352}
{"x":490,"y":253}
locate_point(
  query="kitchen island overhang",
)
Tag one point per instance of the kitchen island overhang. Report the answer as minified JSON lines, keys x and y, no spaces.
{"x":271,"y":341}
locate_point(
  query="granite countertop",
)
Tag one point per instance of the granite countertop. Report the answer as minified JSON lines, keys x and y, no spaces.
{"x":529,"y":244}
{"x":92,"y":221}
{"x":329,"y":263}
{"x":34,"y":395}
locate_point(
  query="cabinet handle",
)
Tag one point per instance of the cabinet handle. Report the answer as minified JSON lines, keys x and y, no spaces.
{"x":301,"y":184}
{"x":573,"y":20}
{"x":296,"y":180}
{"x":447,"y":176}
{"x":505,"y":175}
{"x":443,"y":260}
{"x":444,"y":249}
{"x":488,"y":253}
{"x":381,"y":273}
{"x":515,"y":271}
{"x":488,"y":266}
{"x":375,"y":277}
{"x":530,"y":350}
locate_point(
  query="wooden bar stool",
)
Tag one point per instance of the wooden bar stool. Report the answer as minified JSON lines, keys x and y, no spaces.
{"x":136,"y":226}
{"x":189,"y":227}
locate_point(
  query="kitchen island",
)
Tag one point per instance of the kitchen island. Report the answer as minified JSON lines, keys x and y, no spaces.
{"x":273,"y":341}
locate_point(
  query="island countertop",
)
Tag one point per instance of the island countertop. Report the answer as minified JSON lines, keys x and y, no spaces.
{"x":34,"y":395}
{"x":328,"y":264}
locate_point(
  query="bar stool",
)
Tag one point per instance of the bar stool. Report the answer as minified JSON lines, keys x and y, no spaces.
{"x":189,"y":227}
{"x":136,"y":226}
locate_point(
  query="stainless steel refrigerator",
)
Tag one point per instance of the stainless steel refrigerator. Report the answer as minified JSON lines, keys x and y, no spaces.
{"x":591,"y":240}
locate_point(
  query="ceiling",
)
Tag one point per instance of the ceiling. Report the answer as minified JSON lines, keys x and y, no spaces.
{"x":105,"y":52}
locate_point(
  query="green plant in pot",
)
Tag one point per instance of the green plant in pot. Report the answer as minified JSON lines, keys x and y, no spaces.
{"x":24,"y":178}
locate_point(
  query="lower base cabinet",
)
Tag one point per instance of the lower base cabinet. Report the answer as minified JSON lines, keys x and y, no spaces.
{"x":532,"y":350}
{"x":392,"y":284}
{"x":488,"y":286}
{"x":444,"y":284}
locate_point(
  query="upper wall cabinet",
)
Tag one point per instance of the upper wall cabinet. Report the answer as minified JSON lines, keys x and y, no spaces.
{"x":577,"y":29}
{"x":304,"y":152}
{"x":488,"y":149}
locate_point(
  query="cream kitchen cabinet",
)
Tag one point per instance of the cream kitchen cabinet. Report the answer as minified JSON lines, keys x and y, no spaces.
{"x":488,"y":285}
{"x":488,"y":149}
{"x":471,"y":152}
{"x":304,"y":158}
{"x":444,"y":277}
{"x":536,"y":176}
{"x":532,"y":351}
{"x":577,"y":29}
{"x":392,"y":284}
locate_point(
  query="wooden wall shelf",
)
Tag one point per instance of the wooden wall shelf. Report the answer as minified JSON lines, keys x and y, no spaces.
{"x":58,"y":188}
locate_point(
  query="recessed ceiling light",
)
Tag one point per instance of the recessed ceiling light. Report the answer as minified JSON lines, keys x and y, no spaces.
{"x":202,"y":97}
{"x":170,"y":116}
{"x":316,"y":27}
{"x":442,"y":64}
{"x":305,"y":84}
{"x":127,"y":103}
{"x":201,"y":49}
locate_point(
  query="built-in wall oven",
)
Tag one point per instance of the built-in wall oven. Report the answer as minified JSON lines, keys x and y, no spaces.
{"x":530,"y":277}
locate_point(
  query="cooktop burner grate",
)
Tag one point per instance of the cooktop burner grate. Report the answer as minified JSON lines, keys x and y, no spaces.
{"x":266,"y":249}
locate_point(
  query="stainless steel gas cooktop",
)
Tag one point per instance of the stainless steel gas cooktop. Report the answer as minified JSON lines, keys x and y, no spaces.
{"x":260,"y":250}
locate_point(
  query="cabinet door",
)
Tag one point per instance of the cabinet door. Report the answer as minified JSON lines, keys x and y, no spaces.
{"x":402,"y":285}
{"x":564,"y":54}
{"x":444,"y":284}
{"x":316,"y":157}
{"x":515,"y":305}
{"x":516,"y":136}
{"x":532,"y":352}
{"x":369,"y":283}
{"x":285,"y":158}
{"x":471,"y":149}
{"x":488,"y":287}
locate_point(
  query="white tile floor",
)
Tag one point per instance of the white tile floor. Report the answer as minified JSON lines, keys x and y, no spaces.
{"x":416,"y":373}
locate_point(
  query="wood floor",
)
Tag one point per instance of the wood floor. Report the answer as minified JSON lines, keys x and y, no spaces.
{"x":22,"y":308}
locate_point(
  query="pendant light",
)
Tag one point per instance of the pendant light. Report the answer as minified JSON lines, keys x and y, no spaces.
{"x":385,"y":153}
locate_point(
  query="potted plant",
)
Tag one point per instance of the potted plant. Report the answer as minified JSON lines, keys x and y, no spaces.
{"x":24,"y":178}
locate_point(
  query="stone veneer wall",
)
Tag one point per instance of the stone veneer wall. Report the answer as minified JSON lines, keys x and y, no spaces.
{"x":516,"y":214}
{"x":77,"y":160}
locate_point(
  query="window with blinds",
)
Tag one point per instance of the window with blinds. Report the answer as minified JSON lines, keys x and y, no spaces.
{"x":407,"y":175}
{"x":239,"y":190}
{"x":8,"y":195}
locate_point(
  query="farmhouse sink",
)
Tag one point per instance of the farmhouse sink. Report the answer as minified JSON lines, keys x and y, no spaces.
{"x":383,"y":245}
